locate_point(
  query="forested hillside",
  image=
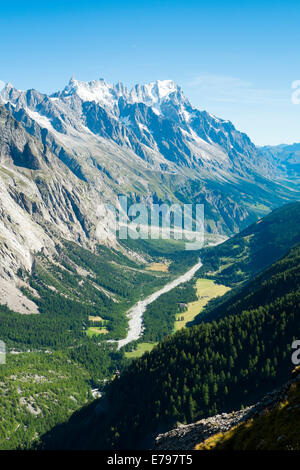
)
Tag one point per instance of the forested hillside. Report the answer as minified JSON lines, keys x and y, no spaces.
{"x":55,"y":358}
{"x":277,"y":427}
{"x":262,"y":290}
{"x":72,"y":288}
{"x":200,"y":371}
{"x":252,"y":250}
{"x":39,"y":390}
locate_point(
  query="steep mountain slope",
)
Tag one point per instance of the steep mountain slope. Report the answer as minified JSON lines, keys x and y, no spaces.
{"x":44,"y":201}
{"x":271,"y":424}
{"x":152,"y":144}
{"x":154,"y":120}
{"x":253,"y":249}
{"x":239,"y":259}
{"x":63,"y":156}
{"x":41,"y":202}
{"x":198,"y":372}
{"x":254,"y":293}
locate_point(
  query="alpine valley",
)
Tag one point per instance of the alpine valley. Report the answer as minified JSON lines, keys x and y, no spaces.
{"x":218,"y":323}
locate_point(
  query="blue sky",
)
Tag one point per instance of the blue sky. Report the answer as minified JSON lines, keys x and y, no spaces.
{"x":235,"y":59}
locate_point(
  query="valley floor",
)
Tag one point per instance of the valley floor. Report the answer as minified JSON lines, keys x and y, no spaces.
{"x":207,"y":289}
{"x":136,"y":312}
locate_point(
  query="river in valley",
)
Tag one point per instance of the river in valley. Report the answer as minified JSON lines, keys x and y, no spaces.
{"x":135,"y":314}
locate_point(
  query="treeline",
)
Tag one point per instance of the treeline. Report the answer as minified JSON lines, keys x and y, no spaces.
{"x":200,"y":371}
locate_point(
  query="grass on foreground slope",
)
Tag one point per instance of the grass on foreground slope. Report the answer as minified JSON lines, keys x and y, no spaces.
{"x":206,"y":290}
{"x":276,"y":429}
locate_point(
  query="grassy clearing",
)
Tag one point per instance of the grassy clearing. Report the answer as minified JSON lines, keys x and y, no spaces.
{"x":206,"y":290}
{"x":162,"y":267}
{"x":141,"y":349}
{"x":95,"y":318}
{"x":96,"y":330}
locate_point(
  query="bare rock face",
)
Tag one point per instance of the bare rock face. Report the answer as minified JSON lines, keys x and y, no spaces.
{"x":41,"y":200}
{"x":15,"y":299}
{"x":150,"y":142}
{"x":63,"y":156}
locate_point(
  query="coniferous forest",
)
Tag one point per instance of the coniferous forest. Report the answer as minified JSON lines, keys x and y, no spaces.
{"x":217,"y":366}
{"x":149,"y":229}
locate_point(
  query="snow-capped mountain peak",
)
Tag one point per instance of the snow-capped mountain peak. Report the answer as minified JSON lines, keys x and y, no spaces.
{"x":154,"y":120}
{"x":6,"y":91}
{"x":98,"y":91}
{"x":107,"y":95}
{"x":68,"y":152}
{"x":154,"y":92}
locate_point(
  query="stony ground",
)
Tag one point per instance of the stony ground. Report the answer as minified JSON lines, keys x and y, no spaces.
{"x":185,"y":437}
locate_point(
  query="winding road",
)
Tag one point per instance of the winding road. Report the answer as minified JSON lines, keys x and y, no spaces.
{"x":135,"y":314}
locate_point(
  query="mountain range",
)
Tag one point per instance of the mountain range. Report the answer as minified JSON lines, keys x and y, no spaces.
{"x":63,"y":155}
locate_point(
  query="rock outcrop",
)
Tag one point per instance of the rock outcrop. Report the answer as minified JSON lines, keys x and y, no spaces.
{"x":186,"y":437}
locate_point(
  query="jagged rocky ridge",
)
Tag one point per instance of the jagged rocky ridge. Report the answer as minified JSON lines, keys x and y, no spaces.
{"x":155,"y":121}
{"x":64,"y":155}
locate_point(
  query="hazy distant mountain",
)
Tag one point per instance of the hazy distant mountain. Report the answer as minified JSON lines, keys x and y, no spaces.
{"x":287,"y":158}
